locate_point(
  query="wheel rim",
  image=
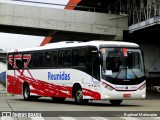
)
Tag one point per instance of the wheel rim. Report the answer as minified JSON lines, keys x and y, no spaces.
{"x":79,"y":96}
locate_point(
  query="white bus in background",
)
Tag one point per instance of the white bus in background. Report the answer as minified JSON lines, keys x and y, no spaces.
{"x":3,"y":69}
{"x":95,"y":70}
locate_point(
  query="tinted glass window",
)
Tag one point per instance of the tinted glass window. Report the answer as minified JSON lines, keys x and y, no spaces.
{"x":79,"y":57}
{"x":38,"y":59}
{"x":27,"y":60}
{"x":18,"y":61}
{"x":55,"y":58}
{"x":48,"y":59}
{"x":10,"y":62}
{"x":64,"y":58}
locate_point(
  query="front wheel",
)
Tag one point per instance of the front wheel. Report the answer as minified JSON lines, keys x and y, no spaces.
{"x":78,"y":96}
{"x":115,"y":102}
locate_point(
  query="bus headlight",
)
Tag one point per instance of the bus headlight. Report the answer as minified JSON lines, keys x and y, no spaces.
{"x":108,"y":87}
{"x":144,"y":95}
{"x":142,"y":86}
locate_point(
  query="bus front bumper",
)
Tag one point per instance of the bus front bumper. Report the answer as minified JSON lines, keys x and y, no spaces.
{"x":139,"y":94}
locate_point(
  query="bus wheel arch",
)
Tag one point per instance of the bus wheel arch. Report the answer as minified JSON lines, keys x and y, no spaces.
{"x":26,"y":91}
{"x":78,"y":95}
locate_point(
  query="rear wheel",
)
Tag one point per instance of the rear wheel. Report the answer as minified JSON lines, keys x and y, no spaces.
{"x":58,"y":99}
{"x":26,"y":92}
{"x":115,"y":102}
{"x":78,"y":96}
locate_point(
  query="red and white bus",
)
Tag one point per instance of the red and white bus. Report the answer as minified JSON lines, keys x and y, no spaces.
{"x":95,"y":70}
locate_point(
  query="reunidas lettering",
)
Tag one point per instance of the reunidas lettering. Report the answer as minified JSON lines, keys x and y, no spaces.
{"x":60,"y":76}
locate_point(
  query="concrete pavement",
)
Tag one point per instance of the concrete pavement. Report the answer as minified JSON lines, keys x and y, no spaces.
{"x":148,"y":96}
{"x":2,"y":87}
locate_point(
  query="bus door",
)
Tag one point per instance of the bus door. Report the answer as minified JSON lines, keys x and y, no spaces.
{"x":95,"y":72}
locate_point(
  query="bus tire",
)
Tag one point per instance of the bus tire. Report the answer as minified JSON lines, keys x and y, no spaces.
{"x":26,"y":92}
{"x":78,"y":96}
{"x":115,"y":102}
{"x":58,"y":99}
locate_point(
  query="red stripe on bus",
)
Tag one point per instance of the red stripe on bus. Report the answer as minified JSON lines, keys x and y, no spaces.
{"x":72,"y":4}
{"x":46,"y":40}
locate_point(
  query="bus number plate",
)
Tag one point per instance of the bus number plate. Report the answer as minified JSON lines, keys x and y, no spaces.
{"x":126,"y":95}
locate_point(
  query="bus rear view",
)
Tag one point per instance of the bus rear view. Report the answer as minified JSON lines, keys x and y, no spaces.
{"x":122,"y":73}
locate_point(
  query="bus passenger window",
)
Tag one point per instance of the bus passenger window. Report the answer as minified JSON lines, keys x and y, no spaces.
{"x":67,"y":58}
{"x":38,"y":59}
{"x":18,"y":61}
{"x":64,"y":58}
{"x":54,"y":58}
{"x":60,"y":58}
{"x":10,"y":62}
{"x":48,"y":59}
{"x":79,"y":57}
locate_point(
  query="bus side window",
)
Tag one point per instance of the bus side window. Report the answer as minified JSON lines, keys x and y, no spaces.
{"x":67,"y":58}
{"x":48,"y":59}
{"x":27,"y":61}
{"x":75,"y":57}
{"x":18,"y":61}
{"x":10,"y":62}
{"x":79,"y":57}
{"x":38,"y":59}
{"x":60,"y":58}
{"x":30,"y":62}
{"x":35,"y":60}
{"x":82,"y":57}
{"x":64,"y":58}
{"x":93,"y":67}
{"x":54,"y":58}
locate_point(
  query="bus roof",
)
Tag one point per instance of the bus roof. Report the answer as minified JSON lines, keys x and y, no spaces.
{"x":66,"y":44}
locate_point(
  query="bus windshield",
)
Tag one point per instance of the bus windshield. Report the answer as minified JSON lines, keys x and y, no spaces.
{"x":122,"y":63}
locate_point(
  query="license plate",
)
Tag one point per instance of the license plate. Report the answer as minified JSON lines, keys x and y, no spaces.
{"x":126,"y":95}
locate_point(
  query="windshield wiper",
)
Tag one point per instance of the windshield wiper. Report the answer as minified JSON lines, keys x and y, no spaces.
{"x":134,"y":73}
{"x":120,"y":69}
{"x":125,"y":68}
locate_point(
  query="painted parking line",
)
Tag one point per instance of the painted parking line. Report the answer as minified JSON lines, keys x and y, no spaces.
{"x":67,"y":118}
{"x":129,"y":118}
{"x":37,"y":118}
{"x":6,"y":118}
{"x":99,"y":118}
{"x":156,"y":118}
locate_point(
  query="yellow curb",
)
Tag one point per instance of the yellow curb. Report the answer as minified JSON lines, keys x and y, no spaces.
{"x":6,"y":94}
